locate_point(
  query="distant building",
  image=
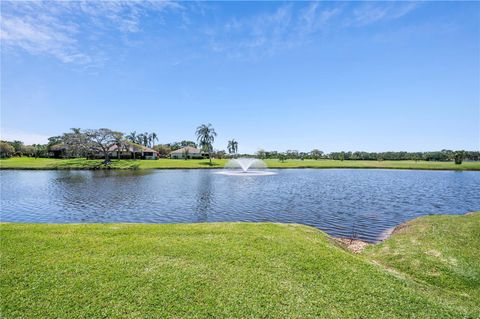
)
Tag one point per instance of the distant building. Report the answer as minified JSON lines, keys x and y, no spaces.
{"x":132,"y":150}
{"x":188,"y":152}
{"x":57,"y":150}
{"x":128,"y":151}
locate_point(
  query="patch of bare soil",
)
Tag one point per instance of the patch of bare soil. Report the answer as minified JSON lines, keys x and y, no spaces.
{"x":354,"y":245}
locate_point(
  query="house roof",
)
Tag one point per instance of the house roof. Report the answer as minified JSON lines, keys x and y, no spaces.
{"x":189,"y":149}
{"x":57,"y":147}
{"x":132,"y":147}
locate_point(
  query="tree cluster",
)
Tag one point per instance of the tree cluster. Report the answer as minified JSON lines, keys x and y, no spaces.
{"x":84,"y":143}
{"x":443,"y":155}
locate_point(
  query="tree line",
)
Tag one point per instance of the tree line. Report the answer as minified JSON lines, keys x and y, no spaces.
{"x":315,"y":154}
{"x":84,"y":143}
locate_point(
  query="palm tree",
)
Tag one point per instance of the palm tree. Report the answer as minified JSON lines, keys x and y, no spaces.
{"x":132,"y":136}
{"x":153,"y":137}
{"x":232,"y":146}
{"x":206,"y":136}
{"x":119,"y":142}
{"x":140,"y":138}
{"x":145,"y":138}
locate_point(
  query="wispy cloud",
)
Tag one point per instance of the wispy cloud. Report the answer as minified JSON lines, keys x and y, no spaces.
{"x":244,"y":37}
{"x":264,"y":34}
{"x":373,"y":12}
{"x":74,"y":32}
{"x":38,"y":38}
{"x":314,"y":17}
{"x":295,"y":24}
{"x":55,"y":28}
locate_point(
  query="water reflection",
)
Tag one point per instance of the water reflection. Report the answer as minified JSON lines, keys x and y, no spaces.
{"x":341,"y":202}
{"x":204,"y":197}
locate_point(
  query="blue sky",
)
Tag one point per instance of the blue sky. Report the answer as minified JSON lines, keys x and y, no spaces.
{"x":370,"y":76}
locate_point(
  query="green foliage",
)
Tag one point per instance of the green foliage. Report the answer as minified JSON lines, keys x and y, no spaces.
{"x":459,"y":157}
{"x":28,"y":150}
{"x":232,"y":146}
{"x":17,"y":145}
{"x":163,"y":149}
{"x":316,"y":154}
{"x":6,"y":149}
{"x":261,"y":154}
{"x":145,"y":139}
{"x":177,"y":145}
{"x":206,"y":136}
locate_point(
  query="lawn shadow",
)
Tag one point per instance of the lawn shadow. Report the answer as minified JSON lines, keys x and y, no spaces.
{"x":207,"y":163}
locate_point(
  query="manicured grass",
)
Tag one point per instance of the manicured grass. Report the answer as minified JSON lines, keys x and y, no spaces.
{"x":175,"y":163}
{"x":238,"y":270}
{"x":76,"y":163}
{"x":439,"y":252}
{"x":80,"y":163}
{"x":373,"y":164}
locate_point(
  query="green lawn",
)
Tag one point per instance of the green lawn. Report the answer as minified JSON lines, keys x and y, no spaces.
{"x":431,"y":269}
{"x":80,"y":163}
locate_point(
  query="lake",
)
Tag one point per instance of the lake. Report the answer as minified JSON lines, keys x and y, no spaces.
{"x":342,"y":202}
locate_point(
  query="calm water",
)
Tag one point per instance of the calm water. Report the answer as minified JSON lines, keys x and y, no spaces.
{"x":340,"y":202}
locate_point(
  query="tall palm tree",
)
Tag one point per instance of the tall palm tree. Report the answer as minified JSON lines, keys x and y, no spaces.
{"x":153,"y":137}
{"x":139,"y":139}
{"x":232,"y":146}
{"x":132,"y":136}
{"x":146,"y":139}
{"x":119,"y":142}
{"x":206,"y":136}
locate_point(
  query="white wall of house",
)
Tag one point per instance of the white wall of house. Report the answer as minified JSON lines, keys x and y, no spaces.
{"x":182,"y":155}
{"x":151,"y":157}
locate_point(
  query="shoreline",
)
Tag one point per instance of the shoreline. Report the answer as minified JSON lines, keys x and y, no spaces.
{"x":27,"y":163}
{"x":216,"y":168}
{"x":357,"y":246}
{"x":352,"y":245}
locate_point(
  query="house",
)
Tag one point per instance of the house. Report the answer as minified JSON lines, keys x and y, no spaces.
{"x":127,"y":151}
{"x":132,"y":151}
{"x":188,"y":152}
{"x":57,"y":150}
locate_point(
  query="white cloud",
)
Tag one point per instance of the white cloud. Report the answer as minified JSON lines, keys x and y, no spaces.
{"x":74,"y":31}
{"x":38,"y":38}
{"x":312,"y":19}
{"x":56,"y":28}
{"x":256,"y":36}
{"x":375,"y":12}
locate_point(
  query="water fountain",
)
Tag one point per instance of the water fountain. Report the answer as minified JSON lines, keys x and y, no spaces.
{"x":246,"y":167}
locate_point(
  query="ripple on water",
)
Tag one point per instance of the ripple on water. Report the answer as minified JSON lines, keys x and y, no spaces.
{"x":364,"y":203}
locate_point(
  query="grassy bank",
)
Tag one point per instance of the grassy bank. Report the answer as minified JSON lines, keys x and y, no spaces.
{"x":47,"y":163}
{"x":429,"y":270}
